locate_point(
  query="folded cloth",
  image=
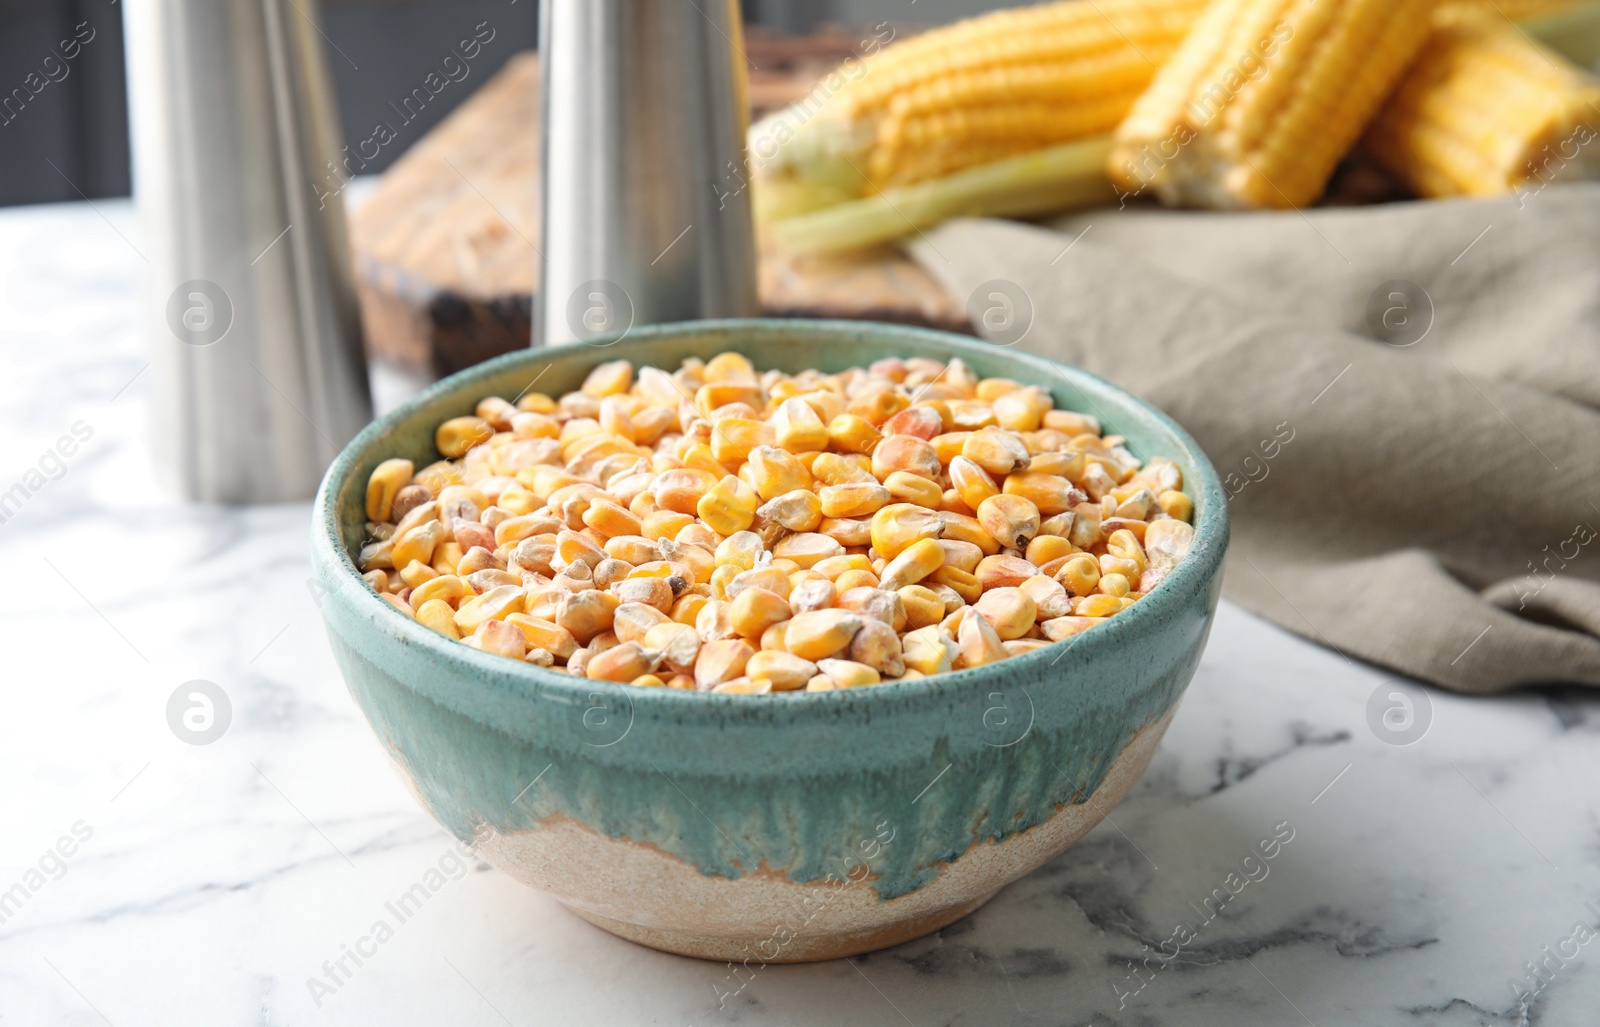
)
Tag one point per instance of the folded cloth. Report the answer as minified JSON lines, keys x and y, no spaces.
{"x":1403,"y":402}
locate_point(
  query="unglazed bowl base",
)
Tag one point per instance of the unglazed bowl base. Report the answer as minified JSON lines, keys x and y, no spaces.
{"x":803,"y":949}
{"x":641,"y":893}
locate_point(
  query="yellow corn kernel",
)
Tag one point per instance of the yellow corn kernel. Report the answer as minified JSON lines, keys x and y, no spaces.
{"x":698,"y":457}
{"x":437,"y":614}
{"x":678,"y":644}
{"x":923,"y":606}
{"x":816,"y":593}
{"x":622,"y":663}
{"x":913,"y":563}
{"x":820,"y":634}
{"x":1049,"y":596}
{"x":848,"y":673}
{"x":852,"y":533}
{"x":733,"y":438}
{"x":729,"y":506}
{"x":535,"y":426}
{"x":998,"y":452}
{"x":963,"y":584}
{"x":611,"y":519}
{"x":799,"y":510}
{"x":1114,"y":584}
{"x":608,"y":379}
{"x":660,"y":524}
{"x":1021,"y":409}
{"x":679,"y":490}
{"x":437,"y":476}
{"x":785,"y":671}
{"x":1001,"y":571}
{"x":977,"y":642}
{"x":418,"y":544}
{"x":898,"y":525}
{"x":798,"y":427}
{"x":416,"y":572}
{"x":741,"y":549}
{"x":962,"y":528}
{"x":500,"y":639}
{"x":856,"y":499}
{"x":972,"y":482}
{"x":1010,"y":610}
{"x":1124,"y":545}
{"x":843,"y":468}
{"x":905,"y":453}
{"x":1051,"y":494}
{"x":537,"y":403}
{"x":720,"y":661}
{"x":387,"y":479}
{"x":991,"y":389}
{"x":1010,"y":520}
{"x":543,"y":634}
{"x":1045,"y":548}
{"x":729,"y":366}
{"x":834,"y":566}
{"x":855,"y":579}
{"x":1097,"y":606}
{"x":928,"y":650}
{"x":446,"y":587}
{"x":495,"y":604}
{"x":849,"y":433}
{"x":584,"y":614}
{"x":1176,"y":505}
{"x":908,"y":487}
{"x":948,"y":445}
{"x":807,"y":549}
{"x":772,"y":472}
{"x":756,"y":609}
{"x":459,"y":434}
{"x":821,"y":683}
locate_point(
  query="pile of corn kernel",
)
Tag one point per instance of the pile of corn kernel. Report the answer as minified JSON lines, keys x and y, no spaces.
{"x":722,"y":529}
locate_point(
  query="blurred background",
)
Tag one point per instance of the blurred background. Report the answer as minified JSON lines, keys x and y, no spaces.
{"x":378,"y":50}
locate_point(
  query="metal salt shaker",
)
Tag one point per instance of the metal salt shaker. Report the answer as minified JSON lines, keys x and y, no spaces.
{"x":258,"y":376}
{"x":646,"y":206}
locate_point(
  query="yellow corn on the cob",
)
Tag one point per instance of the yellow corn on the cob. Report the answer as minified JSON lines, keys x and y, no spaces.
{"x":1263,"y":99}
{"x":1485,"y":111}
{"x":972,"y":93}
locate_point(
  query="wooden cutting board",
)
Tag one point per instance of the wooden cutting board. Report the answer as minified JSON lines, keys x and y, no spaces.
{"x":445,"y":243}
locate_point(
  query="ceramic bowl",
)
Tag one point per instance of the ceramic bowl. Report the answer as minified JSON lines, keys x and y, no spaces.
{"x":776,"y":828}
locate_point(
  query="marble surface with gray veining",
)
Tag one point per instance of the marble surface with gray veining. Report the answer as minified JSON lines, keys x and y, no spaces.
{"x":253,"y":880}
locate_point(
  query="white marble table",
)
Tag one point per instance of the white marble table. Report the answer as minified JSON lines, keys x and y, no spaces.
{"x":209,"y":884}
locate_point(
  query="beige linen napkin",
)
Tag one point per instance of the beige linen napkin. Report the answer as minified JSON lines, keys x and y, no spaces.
{"x":1429,"y":504}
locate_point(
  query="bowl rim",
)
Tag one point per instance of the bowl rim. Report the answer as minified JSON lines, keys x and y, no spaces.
{"x":1191,"y":577}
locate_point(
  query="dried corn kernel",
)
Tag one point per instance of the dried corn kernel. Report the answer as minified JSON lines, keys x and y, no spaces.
{"x":720,"y":529}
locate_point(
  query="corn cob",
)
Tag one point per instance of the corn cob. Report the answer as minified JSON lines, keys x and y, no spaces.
{"x":1484,"y":111}
{"x":1263,"y":99}
{"x":973,"y":93}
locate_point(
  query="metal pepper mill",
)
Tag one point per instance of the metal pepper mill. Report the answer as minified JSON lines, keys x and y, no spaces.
{"x":258,"y":376}
{"x":646,"y":211}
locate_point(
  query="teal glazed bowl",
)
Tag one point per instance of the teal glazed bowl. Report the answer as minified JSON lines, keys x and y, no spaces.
{"x":776,"y":828}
